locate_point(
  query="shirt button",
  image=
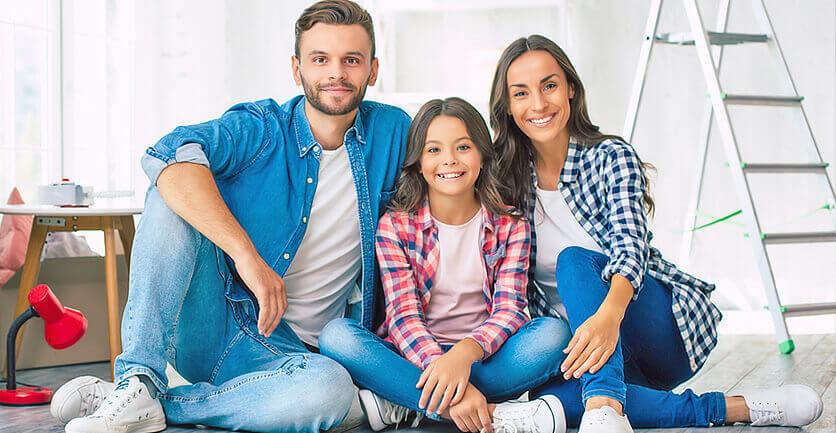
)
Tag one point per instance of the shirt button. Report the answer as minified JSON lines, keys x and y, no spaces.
{"x":304,"y":219}
{"x":310,"y":180}
{"x":316,"y":148}
{"x":359,"y":137}
{"x":286,"y":256}
{"x":304,"y":149}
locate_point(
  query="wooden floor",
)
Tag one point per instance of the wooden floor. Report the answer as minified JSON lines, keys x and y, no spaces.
{"x":738,"y":361}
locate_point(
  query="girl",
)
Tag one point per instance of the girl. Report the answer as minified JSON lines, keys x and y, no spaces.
{"x":453,"y":261}
{"x":641,"y":326}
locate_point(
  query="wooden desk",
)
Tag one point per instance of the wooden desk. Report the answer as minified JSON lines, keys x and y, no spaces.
{"x":69,"y":219}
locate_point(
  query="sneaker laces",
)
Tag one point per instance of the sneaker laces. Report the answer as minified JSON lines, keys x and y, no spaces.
{"x":90,"y":401}
{"x":110,"y":409}
{"x":520,"y":423}
{"x":396,"y":414}
{"x":766,"y":416}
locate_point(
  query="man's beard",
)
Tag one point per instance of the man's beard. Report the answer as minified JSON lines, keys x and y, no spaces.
{"x":314,"y":96}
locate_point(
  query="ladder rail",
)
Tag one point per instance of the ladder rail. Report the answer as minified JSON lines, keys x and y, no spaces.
{"x":641,"y":70}
{"x":690,"y":223}
{"x":815,"y":152}
{"x":733,"y":154}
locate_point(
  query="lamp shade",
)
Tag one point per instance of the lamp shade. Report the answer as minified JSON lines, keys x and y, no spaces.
{"x":63,"y":326}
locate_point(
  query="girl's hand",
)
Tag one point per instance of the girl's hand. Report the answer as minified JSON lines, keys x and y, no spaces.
{"x":471,"y":414}
{"x":445,"y":380}
{"x":592,"y":345}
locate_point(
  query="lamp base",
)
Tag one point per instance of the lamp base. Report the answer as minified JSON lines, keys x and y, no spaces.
{"x":25,"y":396}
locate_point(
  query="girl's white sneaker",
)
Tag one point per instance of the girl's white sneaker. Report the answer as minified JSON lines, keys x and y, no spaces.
{"x":541,"y":415}
{"x":382,"y":413}
{"x":788,"y":405}
{"x":604,"y":420}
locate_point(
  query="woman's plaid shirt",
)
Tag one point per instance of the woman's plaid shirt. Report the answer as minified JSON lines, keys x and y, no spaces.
{"x":408,"y":253}
{"x":603,"y":187}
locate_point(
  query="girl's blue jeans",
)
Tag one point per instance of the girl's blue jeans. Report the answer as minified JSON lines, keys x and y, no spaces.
{"x":527,"y":359}
{"x":648,"y":361}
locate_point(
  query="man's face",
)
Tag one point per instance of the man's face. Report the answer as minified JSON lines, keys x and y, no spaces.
{"x":335,"y":66}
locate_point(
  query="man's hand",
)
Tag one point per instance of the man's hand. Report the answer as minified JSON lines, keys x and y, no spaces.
{"x":446,"y":378}
{"x":268,"y":289}
{"x":471,"y":414}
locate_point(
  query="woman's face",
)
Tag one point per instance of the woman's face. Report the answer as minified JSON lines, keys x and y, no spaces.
{"x":538,"y":97}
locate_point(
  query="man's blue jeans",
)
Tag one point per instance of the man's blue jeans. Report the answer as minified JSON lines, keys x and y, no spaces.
{"x":527,"y":359}
{"x":648,"y":361}
{"x":178,"y":312}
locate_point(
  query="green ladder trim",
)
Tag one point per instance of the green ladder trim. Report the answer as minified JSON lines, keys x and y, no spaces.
{"x":786,"y":347}
{"x":782,"y":308}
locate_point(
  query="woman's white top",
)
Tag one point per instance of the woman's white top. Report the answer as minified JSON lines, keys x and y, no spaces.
{"x":556,"y":229}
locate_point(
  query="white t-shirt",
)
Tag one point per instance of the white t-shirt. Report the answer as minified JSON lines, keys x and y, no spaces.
{"x":325,"y":269}
{"x":457,"y":303}
{"x":556,"y":230}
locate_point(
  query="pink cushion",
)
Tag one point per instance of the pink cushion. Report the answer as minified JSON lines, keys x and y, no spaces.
{"x":14,"y":237}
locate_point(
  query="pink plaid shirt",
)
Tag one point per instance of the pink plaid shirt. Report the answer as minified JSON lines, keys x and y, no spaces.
{"x":407,"y":250}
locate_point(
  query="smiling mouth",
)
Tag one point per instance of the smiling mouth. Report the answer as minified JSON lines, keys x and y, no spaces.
{"x":542,"y":121}
{"x":450,"y":176}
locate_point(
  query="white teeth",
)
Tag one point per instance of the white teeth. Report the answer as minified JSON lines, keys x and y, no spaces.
{"x":541,"y":121}
{"x":450,"y":175}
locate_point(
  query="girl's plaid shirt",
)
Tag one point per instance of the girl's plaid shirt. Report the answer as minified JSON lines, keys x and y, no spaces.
{"x":408,"y":253}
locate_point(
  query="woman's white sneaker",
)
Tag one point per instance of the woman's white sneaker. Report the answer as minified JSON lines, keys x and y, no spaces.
{"x":382,"y":413}
{"x":541,"y":415}
{"x":604,"y":420}
{"x":79,"y":397}
{"x":788,"y":405}
{"x":128,"y":409}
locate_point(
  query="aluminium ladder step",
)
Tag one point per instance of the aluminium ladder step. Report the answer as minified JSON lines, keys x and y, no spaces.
{"x":815,"y":167}
{"x":714,"y":38}
{"x":798,"y":238}
{"x":790,"y":101}
{"x":809,"y":309}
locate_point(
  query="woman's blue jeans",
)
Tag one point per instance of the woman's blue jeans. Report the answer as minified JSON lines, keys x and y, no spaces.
{"x":648,"y":361}
{"x":527,"y":359}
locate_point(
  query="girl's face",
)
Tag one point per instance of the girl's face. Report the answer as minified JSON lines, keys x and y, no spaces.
{"x":450,"y":162}
{"x":539,"y":97}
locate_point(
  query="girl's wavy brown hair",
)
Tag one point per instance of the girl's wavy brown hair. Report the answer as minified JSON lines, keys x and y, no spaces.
{"x":413,"y":188}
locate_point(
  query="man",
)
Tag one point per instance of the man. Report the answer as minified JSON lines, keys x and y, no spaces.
{"x":258,"y":230}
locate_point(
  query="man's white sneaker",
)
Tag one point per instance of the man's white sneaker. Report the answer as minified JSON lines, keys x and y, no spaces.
{"x":79,"y":397}
{"x":383,"y":413}
{"x":788,"y":405}
{"x":541,"y":415}
{"x":128,"y":409}
{"x":604,"y":420}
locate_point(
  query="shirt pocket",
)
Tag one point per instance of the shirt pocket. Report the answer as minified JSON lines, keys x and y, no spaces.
{"x":492,"y":257}
{"x":383,"y":201}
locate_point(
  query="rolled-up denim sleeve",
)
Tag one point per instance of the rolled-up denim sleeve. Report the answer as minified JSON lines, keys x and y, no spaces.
{"x":227,"y":145}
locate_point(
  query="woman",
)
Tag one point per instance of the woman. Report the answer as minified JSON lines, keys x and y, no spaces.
{"x":641,"y":326}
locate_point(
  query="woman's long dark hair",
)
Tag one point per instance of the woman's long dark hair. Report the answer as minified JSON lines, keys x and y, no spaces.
{"x":514,"y":147}
{"x":412,"y":187}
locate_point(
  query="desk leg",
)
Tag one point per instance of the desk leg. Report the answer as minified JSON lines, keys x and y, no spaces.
{"x":29,"y":275}
{"x":126,"y":234}
{"x":112,"y":290}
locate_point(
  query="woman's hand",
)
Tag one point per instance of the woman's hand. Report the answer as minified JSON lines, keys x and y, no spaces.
{"x":592,"y":345}
{"x":471,"y":414}
{"x":445,"y":380}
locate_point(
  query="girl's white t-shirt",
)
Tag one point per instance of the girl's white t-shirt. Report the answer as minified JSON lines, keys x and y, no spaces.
{"x":457,"y":303}
{"x":556,"y":229}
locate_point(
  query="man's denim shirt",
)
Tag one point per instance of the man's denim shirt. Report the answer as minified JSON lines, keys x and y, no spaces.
{"x":265,"y":161}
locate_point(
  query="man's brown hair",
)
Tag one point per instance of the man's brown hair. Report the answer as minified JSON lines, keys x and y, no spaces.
{"x":340,"y":12}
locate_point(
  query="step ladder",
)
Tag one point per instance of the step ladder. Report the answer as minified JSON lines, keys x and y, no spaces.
{"x":717,"y":110}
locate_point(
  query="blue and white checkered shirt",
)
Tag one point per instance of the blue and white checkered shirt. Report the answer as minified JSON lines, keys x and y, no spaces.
{"x":603,"y":187}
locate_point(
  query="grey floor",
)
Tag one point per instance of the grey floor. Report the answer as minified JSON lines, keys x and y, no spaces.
{"x":738,"y":362}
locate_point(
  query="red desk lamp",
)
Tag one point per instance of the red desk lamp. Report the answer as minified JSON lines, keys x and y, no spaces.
{"x":63,"y":327}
